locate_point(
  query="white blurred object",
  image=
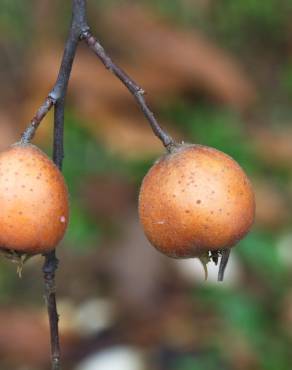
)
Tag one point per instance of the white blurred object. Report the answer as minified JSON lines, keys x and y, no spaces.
{"x":94,"y":315}
{"x":87,"y":318}
{"x":192,"y":271}
{"x":115,"y":358}
{"x":284,"y":247}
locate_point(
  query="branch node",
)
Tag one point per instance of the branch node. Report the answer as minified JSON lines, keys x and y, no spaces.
{"x":53,"y":96}
{"x":84,"y":33}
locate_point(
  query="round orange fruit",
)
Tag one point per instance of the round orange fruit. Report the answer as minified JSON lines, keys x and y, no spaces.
{"x":194,"y":200}
{"x":34,"y":207}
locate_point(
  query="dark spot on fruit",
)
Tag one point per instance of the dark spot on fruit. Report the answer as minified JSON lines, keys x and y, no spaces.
{"x":198,"y":201}
{"x":187,"y":211}
{"x":20,"y":213}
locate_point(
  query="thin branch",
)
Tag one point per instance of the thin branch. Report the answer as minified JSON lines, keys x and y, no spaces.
{"x":35,"y":122}
{"x":57,"y":98}
{"x":49,"y":269}
{"x":131,"y":85}
{"x":80,"y":29}
{"x":77,"y":27}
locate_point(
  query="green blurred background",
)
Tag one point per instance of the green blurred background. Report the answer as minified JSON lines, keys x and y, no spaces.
{"x":216,"y":72}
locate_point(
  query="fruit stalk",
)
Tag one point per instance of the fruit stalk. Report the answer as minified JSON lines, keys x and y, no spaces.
{"x":131,"y":85}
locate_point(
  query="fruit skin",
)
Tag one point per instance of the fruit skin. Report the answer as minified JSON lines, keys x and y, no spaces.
{"x":34,"y":207}
{"x":194,"y":200}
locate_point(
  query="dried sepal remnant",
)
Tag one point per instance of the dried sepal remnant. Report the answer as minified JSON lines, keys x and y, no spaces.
{"x":34,"y":207}
{"x":195,"y":199}
{"x":19,"y":258}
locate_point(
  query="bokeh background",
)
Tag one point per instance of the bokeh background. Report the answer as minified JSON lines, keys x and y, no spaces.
{"x":217,"y":72}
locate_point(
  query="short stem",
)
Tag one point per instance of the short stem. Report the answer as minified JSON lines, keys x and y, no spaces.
{"x":28,"y":134}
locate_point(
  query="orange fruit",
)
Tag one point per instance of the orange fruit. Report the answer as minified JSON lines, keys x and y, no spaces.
{"x":34,"y":207}
{"x":194,"y":200}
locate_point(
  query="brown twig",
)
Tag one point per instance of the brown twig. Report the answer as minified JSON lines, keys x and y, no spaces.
{"x":34,"y":123}
{"x":130,"y":84}
{"x":58,"y":92}
{"x":49,"y":269}
{"x":57,"y":97}
{"x":80,"y":30}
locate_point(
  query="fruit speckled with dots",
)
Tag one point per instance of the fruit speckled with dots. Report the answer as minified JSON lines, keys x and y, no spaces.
{"x":34,"y":208}
{"x":195,"y":199}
